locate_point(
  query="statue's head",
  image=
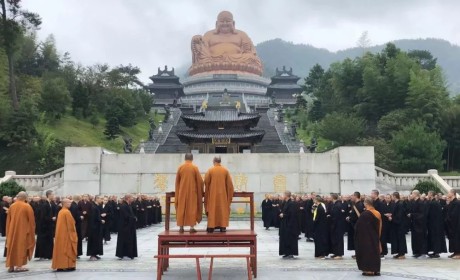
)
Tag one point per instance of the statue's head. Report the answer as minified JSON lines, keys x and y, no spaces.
{"x":225,"y":23}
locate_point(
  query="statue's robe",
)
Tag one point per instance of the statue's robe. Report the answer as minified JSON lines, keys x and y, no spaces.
{"x":45,"y":230}
{"x":218,"y":196}
{"x":435,"y":226}
{"x":65,"y":242}
{"x":20,"y":234}
{"x":418,"y":227}
{"x":337,"y":228}
{"x":367,"y":240}
{"x":267,"y":212}
{"x":95,"y":246}
{"x":289,"y":229}
{"x":353,"y":215}
{"x":74,"y":210}
{"x":398,"y":229}
{"x":320,"y":231}
{"x":453,"y":226}
{"x":189,"y":195}
{"x":127,"y":240}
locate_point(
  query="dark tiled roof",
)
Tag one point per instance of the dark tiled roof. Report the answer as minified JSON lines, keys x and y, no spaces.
{"x":221,"y":115}
{"x":284,"y":86}
{"x":254,"y":136}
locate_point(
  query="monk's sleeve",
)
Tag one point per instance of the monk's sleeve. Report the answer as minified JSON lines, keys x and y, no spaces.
{"x":8,"y":224}
{"x":199,"y":194}
{"x":177,"y":185}
{"x":31,"y":235}
{"x":230,"y":188}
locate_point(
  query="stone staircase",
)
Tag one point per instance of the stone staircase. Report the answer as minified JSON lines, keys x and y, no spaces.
{"x":271,"y":143}
{"x":172,"y":144}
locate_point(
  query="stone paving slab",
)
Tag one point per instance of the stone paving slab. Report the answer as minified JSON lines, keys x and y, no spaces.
{"x":270,"y":265}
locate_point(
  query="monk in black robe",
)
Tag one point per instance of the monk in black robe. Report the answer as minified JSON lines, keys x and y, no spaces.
{"x":417,"y":215}
{"x":435,"y":225}
{"x":386,"y":212}
{"x":337,"y":228}
{"x":288,"y":246}
{"x":127,"y":240}
{"x":355,"y":210}
{"x":45,"y":232}
{"x":276,"y":211}
{"x":367,"y":240}
{"x":267,"y":214}
{"x":453,"y":224}
{"x":4,"y":205}
{"x":106,"y":216}
{"x":320,"y":228}
{"x":94,"y":247}
{"x":78,"y":217}
{"x":398,"y":228}
{"x":309,"y":218}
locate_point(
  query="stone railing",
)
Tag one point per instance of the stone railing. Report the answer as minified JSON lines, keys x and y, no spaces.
{"x":405,"y":182}
{"x":37,"y":184}
{"x":453,"y":181}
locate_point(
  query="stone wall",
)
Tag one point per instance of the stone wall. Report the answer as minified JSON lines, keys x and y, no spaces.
{"x":342,"y":170}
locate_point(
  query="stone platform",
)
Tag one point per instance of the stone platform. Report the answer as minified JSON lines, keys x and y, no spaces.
{"x":270,"y":265}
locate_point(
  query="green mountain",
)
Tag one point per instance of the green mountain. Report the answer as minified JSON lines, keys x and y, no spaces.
{"x":301,"y":57}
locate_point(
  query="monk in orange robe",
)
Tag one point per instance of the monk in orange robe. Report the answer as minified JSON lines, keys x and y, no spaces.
{"x":189,"y":195}
{"x":218,"y":196}
{"x":20,"y":234}
{"x":65,"y":240}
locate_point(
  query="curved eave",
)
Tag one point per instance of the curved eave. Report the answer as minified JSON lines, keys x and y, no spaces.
{"x":253,"y":136}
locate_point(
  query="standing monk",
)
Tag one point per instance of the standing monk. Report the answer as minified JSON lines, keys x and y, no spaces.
{"x":45,"y":224}
{"x":367,"y":240}
{"x":77,"y":216}
{"x":20,"y":234}
{"x":218,"y":196}
{"x":65,"y":247}
{"x":94,"y":246}
{"x":289,"y":229}
{"x":127,"y":239}
{"x":189,"y":195}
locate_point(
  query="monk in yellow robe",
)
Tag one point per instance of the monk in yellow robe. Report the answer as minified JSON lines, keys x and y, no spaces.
{"x":20,"y":234}
{"x":189,"y":195}
{"x":65,"y":240}
{"x":218,"y":196}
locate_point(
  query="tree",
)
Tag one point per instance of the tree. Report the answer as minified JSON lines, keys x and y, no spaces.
{"x":364,"y":42}
{"x":300,"y":103}
{"x":55,"y":98}
{"x":10,"y":188}
{"x":341,"y":128}
{"x":316,"y":112}
{"x":146,"y":100}
{"x":426,"y":186}
{"x":80,"y":99}
{"x":385,"y":156}
{"x":51,"y":153}
{"x":314,"y":80}
{"x":417,"y":149}
{"x":112,"y":128}
{"x":13,"y":21}
{"x":424,"y":58}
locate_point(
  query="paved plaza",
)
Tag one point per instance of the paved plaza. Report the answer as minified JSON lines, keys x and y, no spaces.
{"x":270,"y":265}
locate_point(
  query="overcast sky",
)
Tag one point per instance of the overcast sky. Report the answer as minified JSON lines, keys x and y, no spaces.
{"x":152,"y":33}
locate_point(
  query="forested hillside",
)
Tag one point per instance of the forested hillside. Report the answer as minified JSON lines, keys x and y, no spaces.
{"x":276,"y":53}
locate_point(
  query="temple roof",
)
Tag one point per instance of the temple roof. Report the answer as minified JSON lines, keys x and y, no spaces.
{"x":221,"y":116}
{"x":253,"y":136}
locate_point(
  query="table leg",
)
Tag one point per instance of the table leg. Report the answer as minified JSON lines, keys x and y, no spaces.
{"x":198,"y":270}
{"x":210,"y":268}
{"x":159,"y":264}
{"x":248,"y":267}
{"x":254,"y":268}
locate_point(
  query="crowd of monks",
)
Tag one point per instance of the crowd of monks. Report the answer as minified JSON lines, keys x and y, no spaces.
{"x":54,"y":228}
{"x":325,"y":220}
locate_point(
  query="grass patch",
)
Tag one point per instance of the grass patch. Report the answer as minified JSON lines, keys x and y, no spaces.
{"x":450,"y":173}
{"x":80,"y":132}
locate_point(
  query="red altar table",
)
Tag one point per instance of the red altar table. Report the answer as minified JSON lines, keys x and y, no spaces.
{"x":231,"y":238}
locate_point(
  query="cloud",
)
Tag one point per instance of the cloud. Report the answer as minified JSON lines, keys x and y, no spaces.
{"x":149,"y":34}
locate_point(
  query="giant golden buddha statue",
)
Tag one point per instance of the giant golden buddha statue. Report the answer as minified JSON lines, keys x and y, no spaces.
{"x":224,"y":50}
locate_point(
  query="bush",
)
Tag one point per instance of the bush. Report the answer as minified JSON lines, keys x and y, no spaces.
{"x":426,"y":186}
{"x":10,"y":188}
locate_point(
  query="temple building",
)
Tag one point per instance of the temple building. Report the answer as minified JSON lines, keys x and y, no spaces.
{"x":166,"y":87}
{"x":221,"y":131}
{"x":284,"y":87}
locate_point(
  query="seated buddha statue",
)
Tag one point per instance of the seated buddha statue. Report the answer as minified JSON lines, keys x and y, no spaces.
{"x":224,"y":50}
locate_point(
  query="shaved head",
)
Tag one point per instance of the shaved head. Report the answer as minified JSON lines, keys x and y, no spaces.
{"x":21,"y":196}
